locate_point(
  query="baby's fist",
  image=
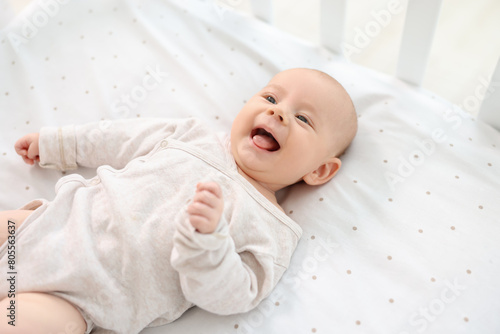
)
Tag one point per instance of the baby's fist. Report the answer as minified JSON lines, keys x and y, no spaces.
{"x":206,"y":207}
{"x":27,"y":148}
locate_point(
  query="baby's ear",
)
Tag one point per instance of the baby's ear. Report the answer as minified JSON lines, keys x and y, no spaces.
{"x":324,"y":172}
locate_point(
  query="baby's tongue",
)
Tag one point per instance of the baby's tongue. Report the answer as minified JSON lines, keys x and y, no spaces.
{"x":265,"y":142}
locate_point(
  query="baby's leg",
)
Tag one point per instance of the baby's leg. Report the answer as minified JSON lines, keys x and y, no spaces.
{"x":41,"y":313}
{"x":11,"y":221}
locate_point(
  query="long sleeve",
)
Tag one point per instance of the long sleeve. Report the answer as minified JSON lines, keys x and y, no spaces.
{"x":215,"y":277}
{"x":112,"y":143}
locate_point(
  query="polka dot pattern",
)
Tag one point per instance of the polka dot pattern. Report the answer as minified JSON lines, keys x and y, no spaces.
{"x":411,"y":211}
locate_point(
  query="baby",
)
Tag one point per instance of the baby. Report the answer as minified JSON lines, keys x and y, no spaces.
{"x":133,"y":247}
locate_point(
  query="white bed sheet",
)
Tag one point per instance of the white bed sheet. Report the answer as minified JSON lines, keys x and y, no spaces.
{"x":405,"y":239}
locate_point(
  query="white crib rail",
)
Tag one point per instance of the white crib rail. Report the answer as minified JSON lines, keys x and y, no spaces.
{"x":490,"y":108}
{"x":332,"y":23}
{"x":263,"y":9}
{"x":420,"y":24}
{"x":418,"y":33}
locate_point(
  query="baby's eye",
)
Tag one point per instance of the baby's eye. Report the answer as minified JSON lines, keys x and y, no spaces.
{"x":303,"y":119}
{"x":271,"y":99}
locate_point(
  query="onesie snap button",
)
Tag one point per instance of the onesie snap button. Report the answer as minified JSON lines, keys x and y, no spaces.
{"x":95,"y":181}
{"x":164,"y":143}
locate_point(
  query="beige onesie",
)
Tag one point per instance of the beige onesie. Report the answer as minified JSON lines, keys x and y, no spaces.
{"x":119,"y":246}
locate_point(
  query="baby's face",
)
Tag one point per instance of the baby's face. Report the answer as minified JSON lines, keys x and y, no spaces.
{"x":290,"y":129}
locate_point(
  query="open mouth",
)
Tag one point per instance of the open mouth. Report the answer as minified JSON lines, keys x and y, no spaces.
{"x":264,"y":140}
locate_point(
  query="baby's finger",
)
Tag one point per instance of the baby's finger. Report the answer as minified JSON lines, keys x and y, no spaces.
{"x":33,"y":152}
{"x":211,"y":215}
{"x":213,"y":187}
{"x":21,"y":147}
{"x":206,"y":198}
{"x":28,"y":160}
{"x":194,"y":208}
{"x":201,"y":224}
{"x":22,"y":152}
{"x":200,"y":209}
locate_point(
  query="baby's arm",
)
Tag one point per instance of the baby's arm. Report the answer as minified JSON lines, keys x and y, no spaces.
{"x":92,"y":145}
{"x":214,"y":275}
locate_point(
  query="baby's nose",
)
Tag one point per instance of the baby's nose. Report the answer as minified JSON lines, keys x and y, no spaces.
{"x":279,"y":115}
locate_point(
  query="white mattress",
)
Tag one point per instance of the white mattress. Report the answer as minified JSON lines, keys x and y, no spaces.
{"x":405,"y":239}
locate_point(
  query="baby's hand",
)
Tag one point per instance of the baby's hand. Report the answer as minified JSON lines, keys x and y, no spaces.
{"x":206,"y":207}
{"x":27,"y":148}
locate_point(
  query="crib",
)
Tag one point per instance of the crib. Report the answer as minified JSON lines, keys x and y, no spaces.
{"x":404,"y":239}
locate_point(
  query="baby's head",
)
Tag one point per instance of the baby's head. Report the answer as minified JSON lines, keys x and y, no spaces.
{"x":294,"y":129}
